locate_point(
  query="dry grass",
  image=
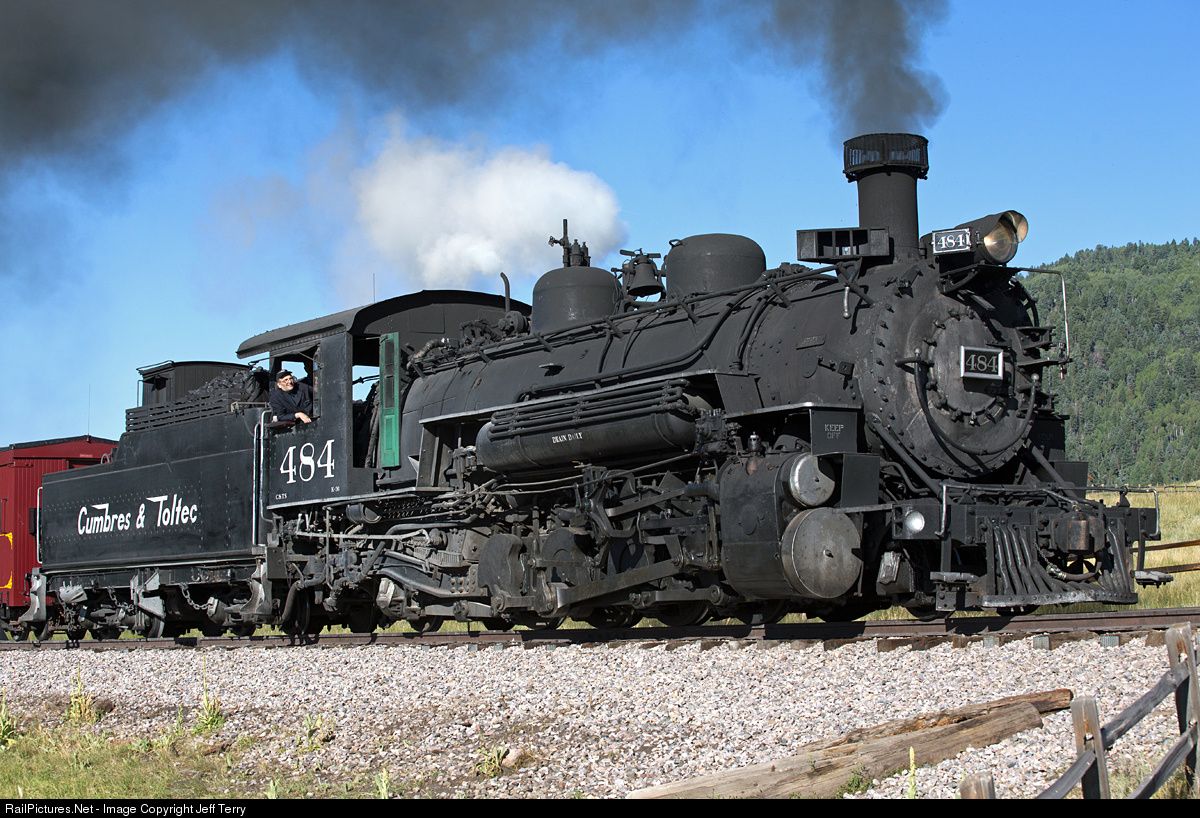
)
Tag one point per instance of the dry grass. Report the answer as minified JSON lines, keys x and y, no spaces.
{"x":1180,"y":522}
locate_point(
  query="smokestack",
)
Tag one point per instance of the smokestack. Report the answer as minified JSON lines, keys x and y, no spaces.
{"x":887,"y":167}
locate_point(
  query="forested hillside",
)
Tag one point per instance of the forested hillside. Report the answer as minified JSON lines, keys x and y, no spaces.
{"x":1134,"y":389}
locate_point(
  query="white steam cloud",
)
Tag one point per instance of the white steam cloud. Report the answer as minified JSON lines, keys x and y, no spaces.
{"x":453,"y":216}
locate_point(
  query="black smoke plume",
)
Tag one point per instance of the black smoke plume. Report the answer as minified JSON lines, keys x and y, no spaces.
{"x":866,"y":51}
{"x":76,"y":74}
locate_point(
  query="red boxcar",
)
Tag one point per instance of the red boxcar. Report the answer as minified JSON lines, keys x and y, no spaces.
{"x":21,"y":468}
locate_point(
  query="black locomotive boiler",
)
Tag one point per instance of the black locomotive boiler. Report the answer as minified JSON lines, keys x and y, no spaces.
{"x":869,"y":427}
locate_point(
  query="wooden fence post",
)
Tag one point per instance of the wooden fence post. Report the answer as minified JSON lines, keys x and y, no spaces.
{"x":1085,"y":714}
{"x":1182,"y":651}
{"x":977,"y":785}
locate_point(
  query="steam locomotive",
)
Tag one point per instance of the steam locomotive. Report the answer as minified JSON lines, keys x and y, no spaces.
{"x":867,"y":428}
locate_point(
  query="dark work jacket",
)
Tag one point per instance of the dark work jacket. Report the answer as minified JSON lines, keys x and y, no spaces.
{"x":285,"y":405}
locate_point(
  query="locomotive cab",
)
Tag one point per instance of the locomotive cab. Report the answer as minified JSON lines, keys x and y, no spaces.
{"x":337,"y":456}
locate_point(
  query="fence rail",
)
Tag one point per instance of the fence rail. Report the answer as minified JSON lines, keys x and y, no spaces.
{"x":1093,"y":740}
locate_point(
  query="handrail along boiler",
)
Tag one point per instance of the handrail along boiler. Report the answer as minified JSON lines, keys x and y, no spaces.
{"x":870,"y":427}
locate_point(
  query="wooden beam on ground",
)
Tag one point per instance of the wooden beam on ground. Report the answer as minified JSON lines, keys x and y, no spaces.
{"x":822,"y":769}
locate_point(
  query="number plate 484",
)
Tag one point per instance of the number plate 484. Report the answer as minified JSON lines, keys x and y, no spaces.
{"x":982,"y":362}
{"x":304,"y":462}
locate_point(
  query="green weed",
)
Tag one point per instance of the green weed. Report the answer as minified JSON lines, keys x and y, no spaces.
{"x":491,"y":762}
{"x":383,"y":784}
{"x":859,"y":781}
{"x":313,"y":734}
{"x":81,"y":706}
{"x":912,"y":774}
{"x":8,"y":725}
{"x":210,"y":717}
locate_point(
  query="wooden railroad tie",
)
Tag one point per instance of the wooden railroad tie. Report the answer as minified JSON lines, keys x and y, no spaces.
{"x":823,"y":768}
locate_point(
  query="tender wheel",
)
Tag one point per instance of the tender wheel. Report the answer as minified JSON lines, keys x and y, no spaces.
{"x":154,"y":629}
{"x":612,"y":618}
{"x":427,"y":624}
{"x":684,"y":614}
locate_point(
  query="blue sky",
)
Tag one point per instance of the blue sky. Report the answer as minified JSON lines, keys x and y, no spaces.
{"x":229,"y":209}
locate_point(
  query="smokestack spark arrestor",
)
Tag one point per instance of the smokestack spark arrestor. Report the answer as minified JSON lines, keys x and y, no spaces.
{"x":886,"y":167}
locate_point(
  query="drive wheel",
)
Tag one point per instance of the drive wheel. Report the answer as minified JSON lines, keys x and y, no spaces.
{"x":426,"y":624}
{"x":613,"y":618}
{"x":363,"y":621}
{"x":301,"y":617}
{"x":926,"y":613}
{"x":768,"y":613}
{"x":684,"y":614}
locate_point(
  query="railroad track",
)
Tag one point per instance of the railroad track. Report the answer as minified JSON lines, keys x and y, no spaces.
{"x":895,"y":632}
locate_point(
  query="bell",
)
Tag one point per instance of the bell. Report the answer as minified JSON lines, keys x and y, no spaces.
{"x":643,"y":279}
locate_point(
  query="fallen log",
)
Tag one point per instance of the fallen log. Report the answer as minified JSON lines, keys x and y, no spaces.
{"x":825,"y":768}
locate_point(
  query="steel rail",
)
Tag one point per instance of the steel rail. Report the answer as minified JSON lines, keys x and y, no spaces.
{"x":975,"y":626}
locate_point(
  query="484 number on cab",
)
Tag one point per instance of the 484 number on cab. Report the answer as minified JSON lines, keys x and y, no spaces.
{"x":303,"y":462}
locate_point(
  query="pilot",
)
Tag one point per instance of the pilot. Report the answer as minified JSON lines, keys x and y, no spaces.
{"x":290,"y":399}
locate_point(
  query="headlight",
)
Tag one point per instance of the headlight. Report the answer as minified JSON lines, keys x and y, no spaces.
{"x":1000,"y":243}
{"x":995,"y":237}
{"x":914,"y":522}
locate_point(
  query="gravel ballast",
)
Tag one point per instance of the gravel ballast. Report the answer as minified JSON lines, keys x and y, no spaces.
{"x":593,"y":720}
